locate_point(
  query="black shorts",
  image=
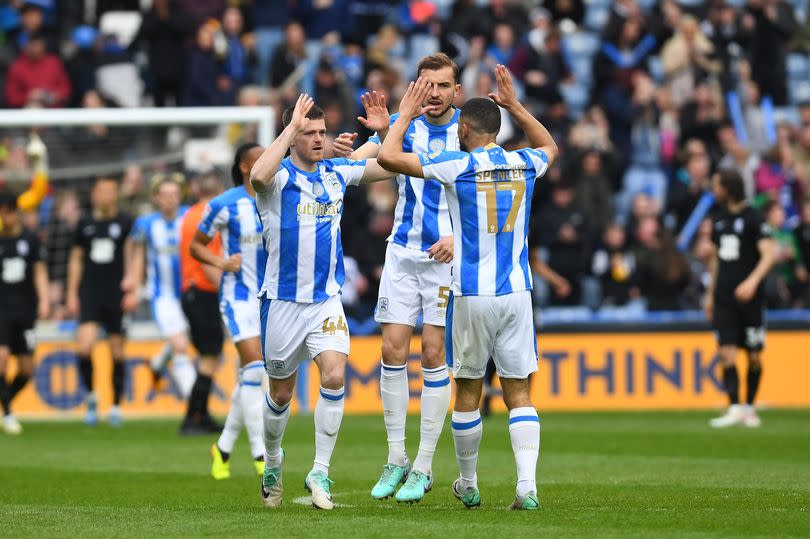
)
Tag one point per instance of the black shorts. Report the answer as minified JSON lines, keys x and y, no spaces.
{"x":102,"y":309}
{"x":202,"y":311}
{"x":740,"y":324}
{"x":17,"y":332}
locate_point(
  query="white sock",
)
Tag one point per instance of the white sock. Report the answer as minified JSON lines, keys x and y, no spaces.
{"x":250,"y":395}
{"x":328,"y":415}
{"x":395,"y":395}
{"x":184,"y":374}
{"x":467,"y":431}
{"x":159,"y":361}
{"x":275,"y":423}
{"x":524,"y":431}
{"x":233,"y":423}
{"x":435,"y":400}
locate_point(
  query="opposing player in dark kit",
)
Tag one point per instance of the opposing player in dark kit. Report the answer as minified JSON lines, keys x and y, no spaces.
{"x":94,"y":289}
{"x":23,"y":288}
{"x":735,"y":301}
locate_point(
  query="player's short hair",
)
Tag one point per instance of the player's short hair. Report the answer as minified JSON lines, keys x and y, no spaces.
{"x":315,"y":113}
{"x":482,"y":114}
{"x":733,"y":183}
{"x":8,"y":200}
{"x":241,"y":151}
{"x":158,"y":180}
{"x":438,"y":61}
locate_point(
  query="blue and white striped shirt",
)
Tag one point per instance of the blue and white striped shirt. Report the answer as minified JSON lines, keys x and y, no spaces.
{"x":301,"y":222}
{"x":161,"y":238}
{"x":421,"y":216}
{"x":489,"y":194}
{"x":234,"y":215}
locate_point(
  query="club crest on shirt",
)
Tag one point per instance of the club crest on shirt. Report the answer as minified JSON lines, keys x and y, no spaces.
{"x":382,"y":305}
{"x":115,"y":231}
{"x":738,"y":225}
{"x":332,"y":181}
{"x":436,"y":145}
{"x":22,"y":247}
{"x":317,"y":189}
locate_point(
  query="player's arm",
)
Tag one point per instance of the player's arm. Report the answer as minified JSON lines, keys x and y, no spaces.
{"x":376,"y":120}
{"x":767,"y":257}
{"x":199,"y":251}
{"x":374,"y":172}
{"x":538,"y":135}
{"x":263,"y":174}
{"x":708,"y":299}
{"x":41,"y":285}
{"x":391,"y":156}
{"x":135,"y":273}
{"x":74,"y":278}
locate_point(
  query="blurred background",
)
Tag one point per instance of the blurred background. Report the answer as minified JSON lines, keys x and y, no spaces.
{"x":645,"y":99}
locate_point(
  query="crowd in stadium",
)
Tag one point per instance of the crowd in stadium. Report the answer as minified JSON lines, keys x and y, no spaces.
{"x":645,"y":99}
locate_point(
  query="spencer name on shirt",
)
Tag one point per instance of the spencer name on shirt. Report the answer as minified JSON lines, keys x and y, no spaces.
{"x":317,"y":210}
{"x":501,"y":174}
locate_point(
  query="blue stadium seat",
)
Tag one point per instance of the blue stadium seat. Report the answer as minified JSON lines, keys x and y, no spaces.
{"x":597,"y":13}
{"x":581,"y":43}
{"x":576,"y":97}
{"x":798,"y":66}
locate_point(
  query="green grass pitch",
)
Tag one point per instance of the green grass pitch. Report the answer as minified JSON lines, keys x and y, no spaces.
{"x":601,"y":474}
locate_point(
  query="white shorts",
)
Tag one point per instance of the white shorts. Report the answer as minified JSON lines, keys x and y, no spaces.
{"x":294,"y":332}
{"x":497,"y":327}
{"x":412,"y":283}
{"x":241,"y":318}
{"x":168,"y":314}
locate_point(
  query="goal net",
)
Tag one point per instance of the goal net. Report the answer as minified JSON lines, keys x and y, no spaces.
{"x":131,"y":144}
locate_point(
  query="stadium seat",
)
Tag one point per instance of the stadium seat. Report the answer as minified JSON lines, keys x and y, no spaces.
{"x":597,"y":13}
{"x":576,"y":97}
{"x":122,"y":24}
{"x":798,"y":66}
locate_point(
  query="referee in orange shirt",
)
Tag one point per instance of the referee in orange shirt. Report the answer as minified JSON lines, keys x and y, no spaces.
{"x":200,"y":301}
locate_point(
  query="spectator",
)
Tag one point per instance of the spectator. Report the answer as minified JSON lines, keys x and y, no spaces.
{"x":562,"y":229}
{"x":663,"y":273}
{"x":802,"y":238}
{"x":539,"y":63}
{"x":780,"y":284}
{"x":269,"y":17}
{"x":163,"y":33}
{"x":206,"y":85}
{"x":236,"y":58}
{"x":801,"y":157}
{"x":592,"y":189}
{"x":615,"y":267}
{"x":773,"y":25}
{"x":702,"y":115}
{"x":572,"y":10}
{"x":687,"y":57}
{"x":770,"y":178}
{"x":737,"y":157}
{"x":81,"y":66}
{"x":685,"y":191}
{"x":289,"y":56}
{"x":502,"y":47}
{"x":32,"y":21}
{"x":37,"y":78}
{"x":700,"y":257}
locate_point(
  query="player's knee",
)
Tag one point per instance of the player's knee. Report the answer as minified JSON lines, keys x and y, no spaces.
{"x":281,"y":394}
{"x":333,"y":374}
{"x":394,"y":353}
{"x":432,"y":354}
{"x":27,"y":367}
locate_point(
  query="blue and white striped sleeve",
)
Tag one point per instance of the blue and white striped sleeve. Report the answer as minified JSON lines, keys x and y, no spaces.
{"x":214,"y":218}
{"x":139,"y":230}
{"x":352,"y":171}
{"x":444,"y":166}
{"x":537,"y":158}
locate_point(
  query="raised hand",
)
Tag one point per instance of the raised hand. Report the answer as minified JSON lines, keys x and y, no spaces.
{"x":302,"y":108}
{"x":376,"y":112}
{"x":343,"y":146}
{"x":506,"y":96}
{"x":411,"y":105}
